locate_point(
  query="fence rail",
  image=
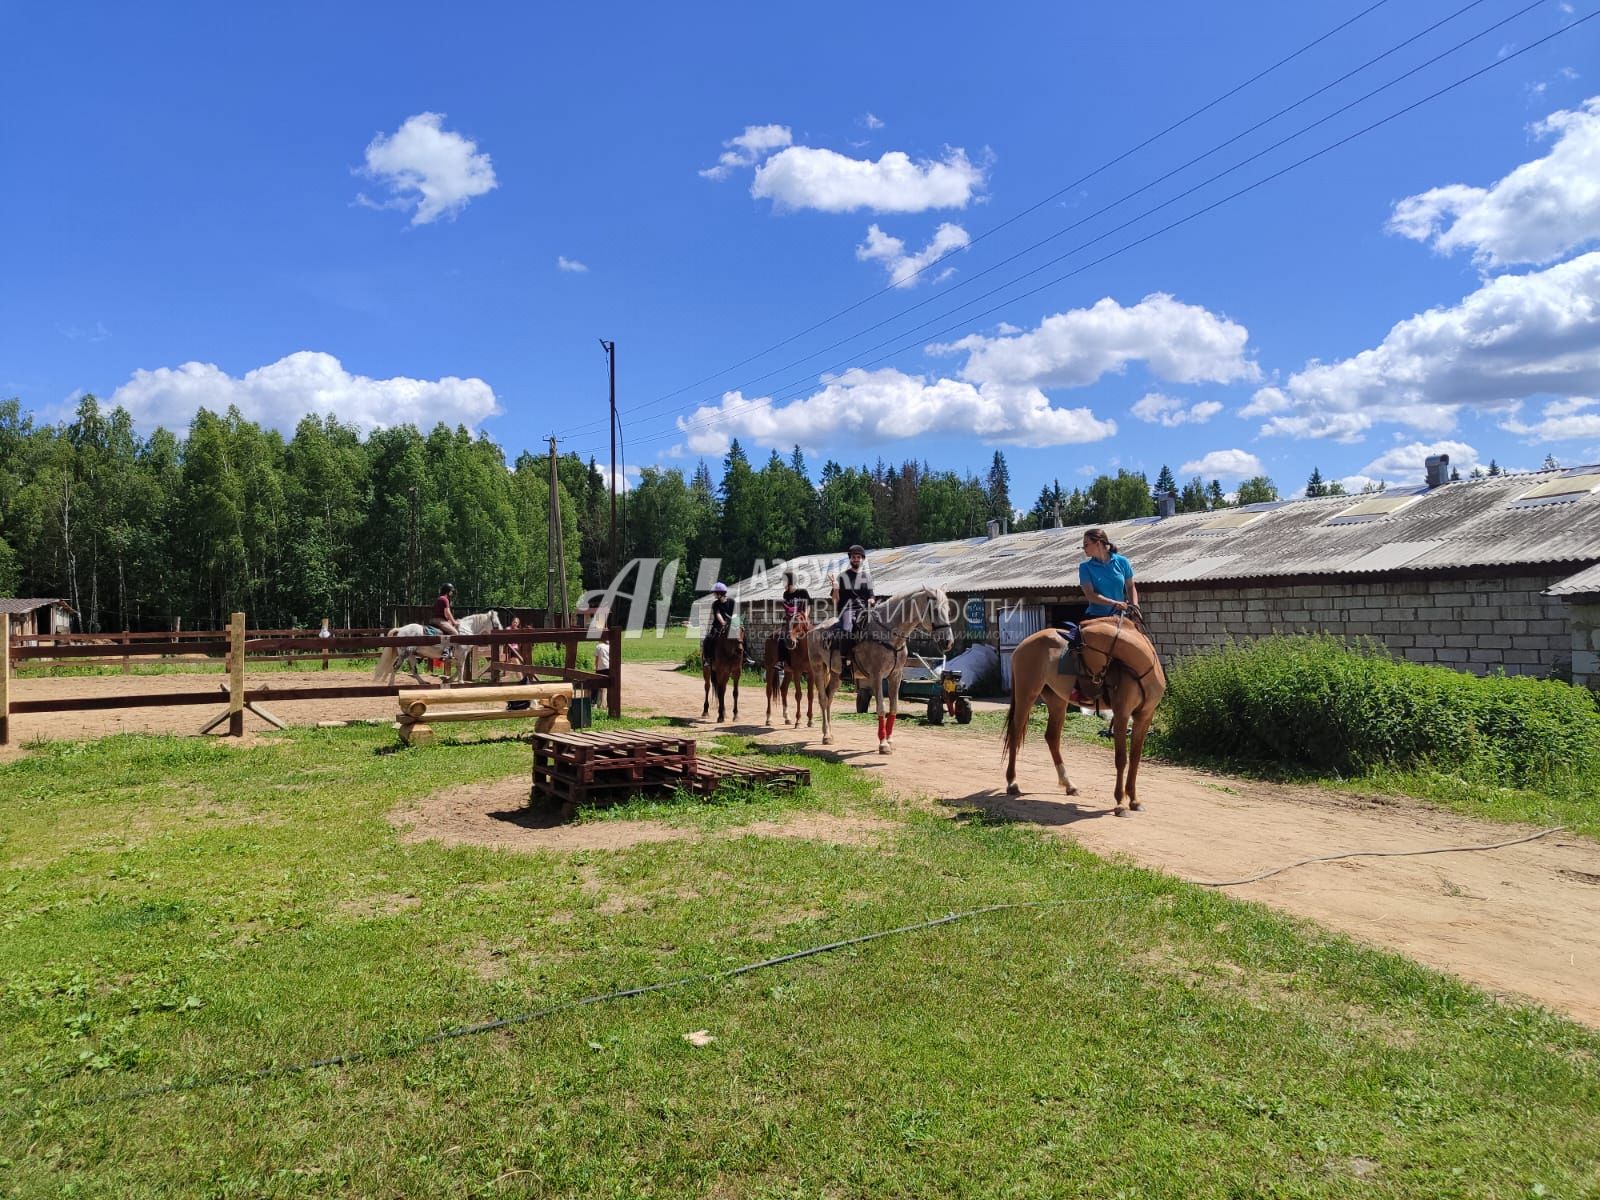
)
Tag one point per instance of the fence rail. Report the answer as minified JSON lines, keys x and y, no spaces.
{"x":237,"y":647}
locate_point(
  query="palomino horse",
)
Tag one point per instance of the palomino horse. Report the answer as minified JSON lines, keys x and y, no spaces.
{"x":880,"y":653}
{"x":393,"y":659}
{"x":725,"y":661}
{"x":787,"y":661}
{"x":1114,"y":650}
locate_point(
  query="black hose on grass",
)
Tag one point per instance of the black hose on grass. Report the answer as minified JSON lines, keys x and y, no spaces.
{"x":354,"y":1057}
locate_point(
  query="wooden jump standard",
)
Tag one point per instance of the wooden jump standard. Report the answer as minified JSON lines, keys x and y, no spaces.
{"x":422,"y":708}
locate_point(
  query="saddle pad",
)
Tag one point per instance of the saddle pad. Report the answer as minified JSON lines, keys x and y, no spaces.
{"x":1070,"y":662}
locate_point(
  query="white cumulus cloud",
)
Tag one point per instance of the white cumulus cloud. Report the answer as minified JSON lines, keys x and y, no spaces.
{"x":563,"y":263}
{"x":1516,"y":337}
{"x":1406,"y":464}
{"x":904,"y":268}
{"x":279,"y":394}
{"x":1560,"y":421}
{"x":1180,"y":343}
{"x":999,"y":392}
{"x":1223,"y":464}
{"x":1536,"y":214}
{"x":754,"y":144}
{"x":825,"y":180}
{"x":1154,"y":408}
{"x":429,"y":170}
{"x":864,"y":407}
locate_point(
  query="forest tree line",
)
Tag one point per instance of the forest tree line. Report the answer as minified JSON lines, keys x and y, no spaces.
{"x":137,"y":531}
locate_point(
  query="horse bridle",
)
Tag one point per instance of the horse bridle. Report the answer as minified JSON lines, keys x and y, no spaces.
{"x":1113,"y":661}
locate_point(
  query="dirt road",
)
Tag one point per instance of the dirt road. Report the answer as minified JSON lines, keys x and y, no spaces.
{"x":1521,"y":921}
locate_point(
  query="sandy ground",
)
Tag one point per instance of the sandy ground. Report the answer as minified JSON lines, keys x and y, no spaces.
{"x":1521,"y":921}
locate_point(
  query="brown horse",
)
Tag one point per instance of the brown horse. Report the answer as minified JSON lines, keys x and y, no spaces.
{"x":788,"y":661}
{"x":1114,"y":653}
{"x":880,"y":653}
{"x":725,"y":661}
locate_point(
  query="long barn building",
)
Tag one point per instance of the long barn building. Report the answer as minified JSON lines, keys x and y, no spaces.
{"x":1498,"y":573}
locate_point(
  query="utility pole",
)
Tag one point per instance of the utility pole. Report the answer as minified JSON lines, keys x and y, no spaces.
{"x":611,"y":469}
{"x":556,"y":571}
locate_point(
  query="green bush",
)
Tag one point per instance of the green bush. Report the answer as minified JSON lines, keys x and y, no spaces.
{"x":1324,"y":704}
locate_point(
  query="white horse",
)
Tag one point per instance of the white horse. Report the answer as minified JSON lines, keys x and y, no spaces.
{"x":393,"y":659}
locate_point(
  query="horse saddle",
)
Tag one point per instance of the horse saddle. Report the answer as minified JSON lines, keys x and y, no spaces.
{"x":433,"y":631}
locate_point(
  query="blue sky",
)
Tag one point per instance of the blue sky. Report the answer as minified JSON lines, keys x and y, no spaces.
{"x":393,"y":212}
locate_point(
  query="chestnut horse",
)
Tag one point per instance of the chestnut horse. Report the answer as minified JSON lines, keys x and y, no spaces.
{"x":1114,"y":653}
{"x":786,"y":660}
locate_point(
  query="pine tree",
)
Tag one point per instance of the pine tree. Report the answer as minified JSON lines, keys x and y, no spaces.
{"x":1494,"y":468}
{"x":999,"y":488}
{"x":1550,"y":463}
{"x":1315,"y":487}
{"x":1166,"y":485}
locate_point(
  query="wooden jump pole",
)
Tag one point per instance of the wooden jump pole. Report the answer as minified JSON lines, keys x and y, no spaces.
{"x":614,"y":684}
{"x":5,"y":679}
{"x":236,"y":676}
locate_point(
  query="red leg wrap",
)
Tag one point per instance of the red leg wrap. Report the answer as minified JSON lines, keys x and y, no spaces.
{"x":881,"y":721}
{"x":890,"y":719}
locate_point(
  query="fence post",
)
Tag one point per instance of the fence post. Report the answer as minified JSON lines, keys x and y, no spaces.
{"x":614,"y":683}
{"x":125,"y":640}
{"x":236,"y":676}
{"x":5,"y":679}
{"x":325,"y":634}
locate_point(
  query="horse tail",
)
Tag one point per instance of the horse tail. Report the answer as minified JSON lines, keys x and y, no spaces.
{"x":1011,"y":741}
{"x":385,"y":667}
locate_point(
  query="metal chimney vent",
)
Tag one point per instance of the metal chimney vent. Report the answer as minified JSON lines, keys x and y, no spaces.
{"x":1166,"y":504}
{"x":994,"y":527}
{"x":1438,"y":470}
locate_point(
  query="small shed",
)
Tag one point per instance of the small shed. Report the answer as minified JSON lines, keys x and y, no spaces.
{"x":39,"y":615}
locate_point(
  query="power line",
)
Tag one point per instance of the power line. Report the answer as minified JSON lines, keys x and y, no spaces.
{"x":707,"y":422}
{"x":1152,"y":183}
{"x":1082,"y":179}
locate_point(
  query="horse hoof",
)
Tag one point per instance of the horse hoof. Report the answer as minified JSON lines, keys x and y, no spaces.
{"x":1013,"y":790}
{"x":1135,"y":805}
{"x":827,"y":741}
{"x":1071,"y":791}
{"x":1119,"y":811}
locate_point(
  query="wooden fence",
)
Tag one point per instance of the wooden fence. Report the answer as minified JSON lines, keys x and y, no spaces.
{"x":237,"y":646}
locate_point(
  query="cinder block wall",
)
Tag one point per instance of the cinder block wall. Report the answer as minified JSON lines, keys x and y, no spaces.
{"x":1586,"y":644}
{"x":1469,"y":624}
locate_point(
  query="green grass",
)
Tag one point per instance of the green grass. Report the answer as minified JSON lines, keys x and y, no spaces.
{"x":178,"y":907}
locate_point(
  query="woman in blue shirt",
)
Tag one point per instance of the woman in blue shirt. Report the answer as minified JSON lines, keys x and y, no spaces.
{"x":1106,"y":576}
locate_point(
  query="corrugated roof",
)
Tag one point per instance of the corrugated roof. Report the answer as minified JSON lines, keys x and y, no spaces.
{"x":1587,"y":580}
{"x":21,"y":608}
{"x":1474,"y":523}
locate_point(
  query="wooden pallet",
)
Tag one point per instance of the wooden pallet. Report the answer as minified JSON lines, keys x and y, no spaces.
{"x":572,"y":769}
{"x":712,"y":771}
{"x":586,"y":757}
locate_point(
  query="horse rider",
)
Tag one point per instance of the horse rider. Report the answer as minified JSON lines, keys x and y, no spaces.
{"x":852,"y":597}
{"x":796,"y":604}
{"x":443,"y":619}
{"x":1107,"y":581}
{"x":720,"y":619}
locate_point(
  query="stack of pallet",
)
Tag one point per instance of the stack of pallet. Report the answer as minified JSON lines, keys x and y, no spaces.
{"x":583,"y":767}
